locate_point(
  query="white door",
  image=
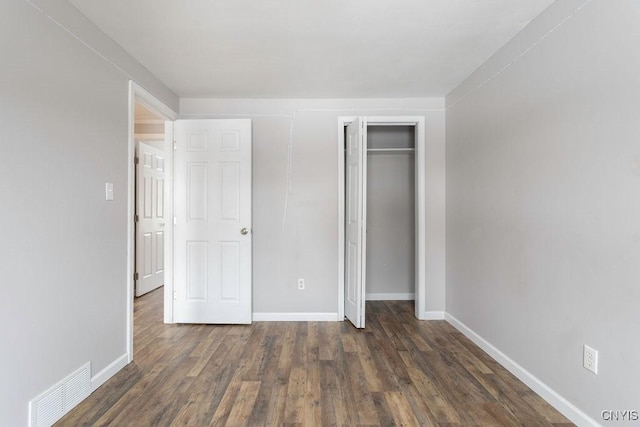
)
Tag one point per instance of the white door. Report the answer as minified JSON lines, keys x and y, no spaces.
{"x":150,"y":218}
{"x":356,"y":220}
{"x":212,"y":234}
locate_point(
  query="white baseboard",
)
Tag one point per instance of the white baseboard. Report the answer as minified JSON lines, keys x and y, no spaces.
{"x":547,"y":393}
{"x":113,"y":368}
{"x":295,"y":317}
{"x":391,"y":297}
{"x":432,"y":315}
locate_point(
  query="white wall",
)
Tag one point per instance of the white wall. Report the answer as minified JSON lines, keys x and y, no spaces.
{"x":543,"y":201}
{"x":63,"y":115}
{"x":390,"y":213}
{"x":304,"y":244}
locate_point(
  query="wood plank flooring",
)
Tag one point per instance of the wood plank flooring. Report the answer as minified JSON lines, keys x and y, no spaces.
{"x":398,"y":371}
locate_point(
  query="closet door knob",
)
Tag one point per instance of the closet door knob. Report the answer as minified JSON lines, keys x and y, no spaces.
{"x":244,"y":231}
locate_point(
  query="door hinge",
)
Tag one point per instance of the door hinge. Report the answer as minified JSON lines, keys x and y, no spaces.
{"x":175,"y":294}
{"x":175,"y":145}
{"x":136,"y":160}
{"x":136,"y":218}
{"x":135,"y":276}
{"x":175,"y":220}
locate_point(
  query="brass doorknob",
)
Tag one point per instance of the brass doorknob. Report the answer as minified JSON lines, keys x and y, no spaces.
{"x":244,"y":231}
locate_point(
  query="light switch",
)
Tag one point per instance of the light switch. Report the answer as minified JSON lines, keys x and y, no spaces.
{"x":108,"y":190}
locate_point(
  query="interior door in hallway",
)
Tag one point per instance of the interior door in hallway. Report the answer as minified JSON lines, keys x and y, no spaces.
{"x":150,"y":169}
{"x":212,"y":234}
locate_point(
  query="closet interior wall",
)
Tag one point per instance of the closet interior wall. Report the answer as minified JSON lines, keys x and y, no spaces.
{"x":390,"y":267}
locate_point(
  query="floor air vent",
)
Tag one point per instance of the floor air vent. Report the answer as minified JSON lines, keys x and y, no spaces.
{"x":54,"y":403}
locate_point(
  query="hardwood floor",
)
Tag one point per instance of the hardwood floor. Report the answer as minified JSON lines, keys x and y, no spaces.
{"x":397,"y":371}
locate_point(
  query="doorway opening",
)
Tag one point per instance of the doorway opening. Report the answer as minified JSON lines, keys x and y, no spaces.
{"x":150,"y":221}
{"x":382,"y":233}
{"x":149,"y":202}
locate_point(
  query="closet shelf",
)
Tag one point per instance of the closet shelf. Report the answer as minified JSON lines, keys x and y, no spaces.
{"x":391,"y":150}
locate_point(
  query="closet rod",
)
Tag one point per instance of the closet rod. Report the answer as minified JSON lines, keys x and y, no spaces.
{"x":391,"y":149}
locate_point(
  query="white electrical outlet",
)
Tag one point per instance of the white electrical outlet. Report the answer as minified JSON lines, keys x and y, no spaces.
{"x":590,"y":359}
{"x":300,"y":284}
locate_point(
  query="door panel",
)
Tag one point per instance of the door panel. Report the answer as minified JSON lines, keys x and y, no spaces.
{"x":229,"y":274}
{"x":197,"y":271}
{"x":356,"y":163}
{"x":229,"y":182}
{"x":150,"y":224}
{"x":212,"y":188}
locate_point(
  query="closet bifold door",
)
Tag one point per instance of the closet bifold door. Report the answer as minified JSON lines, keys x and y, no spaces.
{"x":356,"y":190}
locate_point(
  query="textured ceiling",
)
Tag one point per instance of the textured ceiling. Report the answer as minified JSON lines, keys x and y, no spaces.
{"x":311,"y":49}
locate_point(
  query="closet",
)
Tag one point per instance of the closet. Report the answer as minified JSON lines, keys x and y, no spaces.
{"x":390,"y":208}
{"x":381,"y":198}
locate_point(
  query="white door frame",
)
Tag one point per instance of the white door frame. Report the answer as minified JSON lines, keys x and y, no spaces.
{"x":138,"y":93}
{"x":418,"y":122}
